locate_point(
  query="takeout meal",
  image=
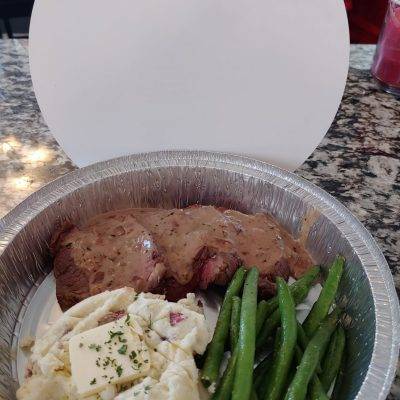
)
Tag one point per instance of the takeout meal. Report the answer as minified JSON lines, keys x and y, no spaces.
{"x":132,"y":327}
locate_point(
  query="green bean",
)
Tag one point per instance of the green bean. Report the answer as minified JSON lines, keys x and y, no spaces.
{"x":298,"y":354}
{"x":262,"y":384}
{"x":339,"y":379}
{"x":290,"y":375}
{"x":235,"y":321}
{"x":311,"y":357}
{"x":304,"y":282}
{"x":243,"y":382}
{"x":325,"y":300}
{"x":333,"y":358}
{"x":284,"y":357}
{"x":302,"y":337}
{"x":224,"y":388}
{"x":303,"y":340}
{"x":270,"y":324}
{"x":273,"y":321}
{"x":316,"y":391}
{"x":263,"y":310}
{"x":277,"y":341}
{"x":266,"y":308}
{"x":215,"y":349}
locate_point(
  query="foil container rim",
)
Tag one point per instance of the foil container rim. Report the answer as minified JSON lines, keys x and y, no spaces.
{"x":386,"y":345}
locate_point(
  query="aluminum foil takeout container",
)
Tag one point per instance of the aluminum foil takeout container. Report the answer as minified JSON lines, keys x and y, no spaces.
{"x":177,"y":179}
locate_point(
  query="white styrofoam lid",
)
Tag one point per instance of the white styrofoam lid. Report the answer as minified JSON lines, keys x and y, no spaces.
{"x":259,"y":78}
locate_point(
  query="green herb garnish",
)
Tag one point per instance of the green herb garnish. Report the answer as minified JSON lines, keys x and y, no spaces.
{"x":94,"y":346}
{"x":113,"y":335}
{"x":122,"y":349}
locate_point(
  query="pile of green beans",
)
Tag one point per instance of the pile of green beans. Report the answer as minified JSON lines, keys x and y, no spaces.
{"x":306,"y":360}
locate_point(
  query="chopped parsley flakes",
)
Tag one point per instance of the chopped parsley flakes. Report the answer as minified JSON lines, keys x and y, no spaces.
{"x":122,"y":349}
{"x":94,"y":346}
{"x":119,"y":370}
{"x":113,"y":335}
{"x":132,"y":355}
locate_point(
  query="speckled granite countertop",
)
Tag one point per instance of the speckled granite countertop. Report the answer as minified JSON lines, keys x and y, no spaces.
{"x":358,"y":161}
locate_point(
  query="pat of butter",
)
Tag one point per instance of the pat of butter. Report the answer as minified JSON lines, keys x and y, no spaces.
{"x":109,"y":354}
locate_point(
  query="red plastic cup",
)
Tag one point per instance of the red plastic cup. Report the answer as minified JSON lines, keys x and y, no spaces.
{"x":386,"y":64}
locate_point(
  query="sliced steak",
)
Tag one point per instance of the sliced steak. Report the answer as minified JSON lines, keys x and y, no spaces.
{"x":172,"y":251}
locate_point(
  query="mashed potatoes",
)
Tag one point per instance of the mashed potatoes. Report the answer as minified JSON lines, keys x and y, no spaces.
{"x":119,"y":345}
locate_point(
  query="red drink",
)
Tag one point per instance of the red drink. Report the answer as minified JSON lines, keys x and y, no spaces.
{"x":386,"y":64}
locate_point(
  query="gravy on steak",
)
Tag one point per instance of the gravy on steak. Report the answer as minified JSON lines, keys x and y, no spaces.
{"x":171,"y":251}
